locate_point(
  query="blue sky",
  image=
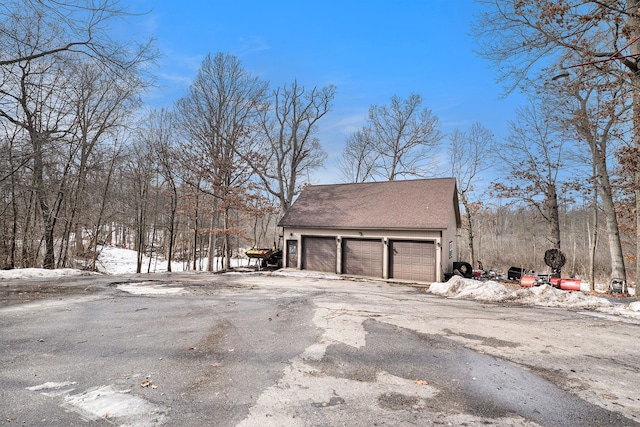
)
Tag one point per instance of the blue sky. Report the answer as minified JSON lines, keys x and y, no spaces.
{"x":370,"y":50}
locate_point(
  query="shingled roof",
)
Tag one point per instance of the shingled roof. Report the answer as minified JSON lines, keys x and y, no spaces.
{"x":412,"y":204}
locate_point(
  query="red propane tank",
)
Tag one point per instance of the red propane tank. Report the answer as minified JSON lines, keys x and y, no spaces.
{"x":527,"y":281}
{"x":570,"y":284}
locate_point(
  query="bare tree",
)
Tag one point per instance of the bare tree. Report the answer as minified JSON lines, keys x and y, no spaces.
{"x":159,"y":131}
{"x":217,"y":117}
{"x":286,"y":144}
{"x":140,"y":171}
{"x":102,"y":103}
{"x":534,"y":155}
{"x":359,"y":158}
{"x":104,"y":213}
{"x":15,"y":156}
{"x":596,"y":117}
{"x":532,"y":38}
{"x":469,"y":153}
{"x":42,"y":41}
{"x":33,"y":98}
{"x":398,"y":140}
{"x":45,"y":28}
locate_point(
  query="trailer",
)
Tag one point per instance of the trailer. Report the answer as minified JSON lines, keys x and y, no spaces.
{"x":516,"y":273}
{"x":269,"y":257}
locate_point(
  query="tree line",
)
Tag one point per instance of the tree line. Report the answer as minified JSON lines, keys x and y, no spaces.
{"x":84,"y":164}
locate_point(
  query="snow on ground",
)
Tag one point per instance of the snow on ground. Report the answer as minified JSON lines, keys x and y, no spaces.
{"x":29,"y":273}
{"x":114,"y":260}
{"x":545,"y":295}
{"x":123,"y":261}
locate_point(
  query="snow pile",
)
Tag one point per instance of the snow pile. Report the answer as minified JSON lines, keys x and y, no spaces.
{"x":545,"y":296}
{"x":459,"y":287}
{"x":30,"y":273}
{"x":549,"y":296}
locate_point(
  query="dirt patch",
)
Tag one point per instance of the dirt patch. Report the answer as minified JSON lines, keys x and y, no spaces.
{"x":26,"y":293}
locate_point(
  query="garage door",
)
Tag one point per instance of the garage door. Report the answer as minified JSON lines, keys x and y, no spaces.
{"x":362,"y":257}
{"x":413,"y":261}
{"x":319,"y":254}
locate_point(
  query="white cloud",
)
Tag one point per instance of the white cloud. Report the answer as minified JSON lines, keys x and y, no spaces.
{"x":252,"y":44}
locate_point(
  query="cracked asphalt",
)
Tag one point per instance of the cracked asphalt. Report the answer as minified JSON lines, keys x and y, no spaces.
{"x":270,"y":349}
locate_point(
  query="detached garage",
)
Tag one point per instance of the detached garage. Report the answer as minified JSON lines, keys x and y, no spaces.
{"x":403,"y":230}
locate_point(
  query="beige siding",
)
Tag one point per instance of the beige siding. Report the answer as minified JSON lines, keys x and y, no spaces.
{"x":439,"y":240}
{"x":450,"y":236}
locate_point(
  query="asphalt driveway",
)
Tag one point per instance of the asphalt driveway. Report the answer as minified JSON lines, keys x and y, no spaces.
{"x":193,"y":349}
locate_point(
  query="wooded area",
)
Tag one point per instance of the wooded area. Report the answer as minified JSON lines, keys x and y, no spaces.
{"x":84,"y":164}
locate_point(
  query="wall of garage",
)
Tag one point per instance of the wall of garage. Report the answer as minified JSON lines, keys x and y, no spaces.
{"x":450,"y":246}
{"x":384,"y":254}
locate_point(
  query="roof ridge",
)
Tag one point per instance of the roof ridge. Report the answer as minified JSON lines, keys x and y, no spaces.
{"x":383,"y":182}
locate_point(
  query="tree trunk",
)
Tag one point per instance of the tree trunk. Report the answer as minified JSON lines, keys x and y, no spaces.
{"x":470,"y":235}
{"x":41,"y":194}
{"x":103,"y":207}
{"x":554,"y":217}
{"x":227,"y":241}
{"x":594,"y":242}
{"x":153,"y":238}
{"x":77,"y":204}
{"x":142,"y":221}
{"x":212,"y":244}
{"x":49,"y":261}
{"x":635,"y":81}
{"x":14,"y":208}
{"x":172,"y":226}
{"x":618,"y":270}
{"x":633,"y":26}
{"x":26,"y":257}
{"x":140,"y":241}
{"x":195,"y":235}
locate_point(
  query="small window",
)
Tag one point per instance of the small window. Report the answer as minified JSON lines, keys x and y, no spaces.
{"x":450,"y":250}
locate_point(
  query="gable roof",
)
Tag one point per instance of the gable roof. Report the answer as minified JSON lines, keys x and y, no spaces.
{"x":411,"y":204}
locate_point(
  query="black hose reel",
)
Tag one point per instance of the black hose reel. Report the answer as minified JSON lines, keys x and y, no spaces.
{"x":463,"y":269}
{"x":555,"y":259}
